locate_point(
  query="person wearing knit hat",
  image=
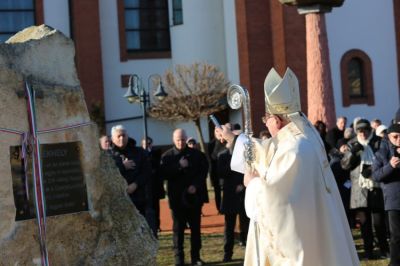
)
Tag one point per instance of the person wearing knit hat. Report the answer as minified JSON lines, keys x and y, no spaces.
{"x":192,"y":143}
{"x":386,"y":170}
{"x":381,"y":131}
{"x":362,"y":124}
{"x":394,"y":128}
{"x":296,"y":213}
{"x":366,"y":199}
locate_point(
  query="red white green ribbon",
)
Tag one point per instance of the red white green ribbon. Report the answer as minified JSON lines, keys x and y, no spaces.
{"x":40,"y":202}
{"x":37,"y":170}
{"x":51,"y":130}
{"x":28,"y":138}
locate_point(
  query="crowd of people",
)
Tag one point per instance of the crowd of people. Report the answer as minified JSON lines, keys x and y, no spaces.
{"x":364,"y":158}
{"x":184,"y":169}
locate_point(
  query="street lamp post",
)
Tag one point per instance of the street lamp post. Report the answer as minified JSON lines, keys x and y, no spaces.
{"x":136,"y":93}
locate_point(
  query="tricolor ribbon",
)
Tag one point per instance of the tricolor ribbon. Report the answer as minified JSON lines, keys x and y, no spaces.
{"x":40,"y":202}
{"x":25,"y":146}
{"x":28,"y":139}
{"x":51,"y":130}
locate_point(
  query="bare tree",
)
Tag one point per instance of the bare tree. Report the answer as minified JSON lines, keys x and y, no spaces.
{"x":194,"y":91}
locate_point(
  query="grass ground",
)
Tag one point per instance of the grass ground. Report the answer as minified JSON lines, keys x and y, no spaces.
{"x":212,"y":243}
{"x":212,"y":251}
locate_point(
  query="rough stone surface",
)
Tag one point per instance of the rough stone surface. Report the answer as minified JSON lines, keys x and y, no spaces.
{"x":321,"y":103}
{"x":112,"y":232}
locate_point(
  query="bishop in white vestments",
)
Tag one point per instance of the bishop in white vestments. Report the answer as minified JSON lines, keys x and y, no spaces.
{"x":297,"y":216}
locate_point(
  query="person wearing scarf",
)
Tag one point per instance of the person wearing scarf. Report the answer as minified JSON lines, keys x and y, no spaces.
{"x":366,"y":195}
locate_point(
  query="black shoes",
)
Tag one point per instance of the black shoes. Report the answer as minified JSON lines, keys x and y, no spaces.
{"x":227,"y":259}
{"x":384,"y":255}
{"x":179,"y":260}
{"x":370,"y":255}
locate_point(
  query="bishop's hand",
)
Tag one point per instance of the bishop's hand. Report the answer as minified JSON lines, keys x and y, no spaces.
{"x":249,"y":175}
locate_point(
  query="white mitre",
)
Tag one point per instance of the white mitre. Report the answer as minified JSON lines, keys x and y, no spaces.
{"x":282,"y":95}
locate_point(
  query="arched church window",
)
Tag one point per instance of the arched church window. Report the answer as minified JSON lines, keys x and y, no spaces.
{"x":356,"y":74}
{"x":355,"y":77}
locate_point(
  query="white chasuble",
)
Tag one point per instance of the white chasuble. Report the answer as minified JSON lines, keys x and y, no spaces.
{"x":297,"y":216}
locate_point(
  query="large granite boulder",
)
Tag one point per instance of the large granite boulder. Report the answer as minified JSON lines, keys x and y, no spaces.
{"x":111,"y":231}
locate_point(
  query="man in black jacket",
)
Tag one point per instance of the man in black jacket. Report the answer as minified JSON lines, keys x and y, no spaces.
{"x":386,"y":169}
{"x":155,"y":187}
{"x":232,"y":203}
{"x":132,"y":164}
{"x":214,"y":147}
{"x":185,"y":171}
{"x":336,"y":133}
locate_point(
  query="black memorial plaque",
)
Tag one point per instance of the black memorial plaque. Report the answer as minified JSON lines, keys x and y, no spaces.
{"x":23,"y":189}
{"x":63,"y":181}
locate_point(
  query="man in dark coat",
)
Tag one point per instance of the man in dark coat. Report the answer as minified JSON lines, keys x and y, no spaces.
{"x":132,"y":164}
{"x":336,"y":133}
{"x":214,"y":147}
{"x":386,"y":169}
{"x":192,"y":143}
{"x":185,"y":172}
{"x":342,"y":176}
{"x":232,"y":203}
{"x":155,"y":188}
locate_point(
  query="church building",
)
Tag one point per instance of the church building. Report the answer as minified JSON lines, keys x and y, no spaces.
{"x":244,"y":38}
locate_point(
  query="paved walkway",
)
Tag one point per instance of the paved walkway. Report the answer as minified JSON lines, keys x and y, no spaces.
{"x":211,"y":221}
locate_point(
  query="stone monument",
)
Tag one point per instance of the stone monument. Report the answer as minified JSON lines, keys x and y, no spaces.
{"x":90,"y":220}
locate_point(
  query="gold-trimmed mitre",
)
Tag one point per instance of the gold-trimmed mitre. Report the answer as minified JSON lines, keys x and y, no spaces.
{"x":282,"y":95}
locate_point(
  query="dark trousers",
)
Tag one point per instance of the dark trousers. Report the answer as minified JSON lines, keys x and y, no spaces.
{"x":229,"y":231}
{"x":217,"y":195}
{"x":345,"y":195}
{"x":148,"y":213}
{"x":151,"y":220}
{"x":153,"y":216}
{"x":379,"y":222}
{"x":394,"y":222}
{"x":378,"y":219}
{"x":141,"y":207}
{"x":156,"y":206}
{"x":192,"y":217}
